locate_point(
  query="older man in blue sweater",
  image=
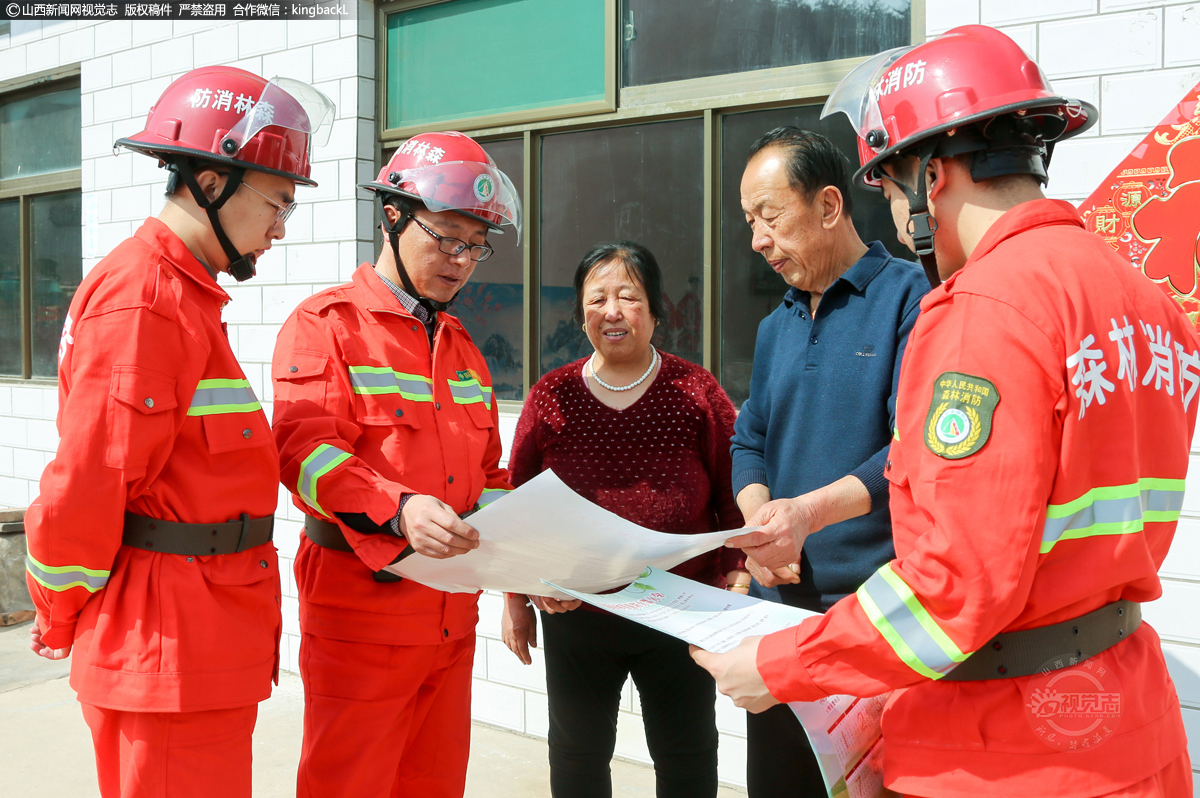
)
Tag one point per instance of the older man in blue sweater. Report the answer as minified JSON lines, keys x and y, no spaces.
{"x":811,"y":441}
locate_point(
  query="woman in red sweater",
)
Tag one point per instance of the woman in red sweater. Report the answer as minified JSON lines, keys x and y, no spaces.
{"x":645,"y":435}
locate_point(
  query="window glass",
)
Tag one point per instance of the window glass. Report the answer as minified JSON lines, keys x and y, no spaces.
{"x":491,"y":306}
{"x":664,"y":40}
{"x":750,"y":290}
{"x":10,"y":287}
{"x":643,"y":183}
{"x":471,"y":58}
{"x":56,"y":260}
{"x":40,"y":134}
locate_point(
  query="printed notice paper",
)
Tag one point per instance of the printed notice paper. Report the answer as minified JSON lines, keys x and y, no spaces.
{"x":844,"y":731}
{"x":543,"y":530}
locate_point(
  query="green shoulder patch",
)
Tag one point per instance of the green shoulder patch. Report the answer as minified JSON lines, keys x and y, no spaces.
{"x":960,"y":415}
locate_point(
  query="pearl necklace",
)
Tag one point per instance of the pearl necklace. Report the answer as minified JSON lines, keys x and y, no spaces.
{"x":630,"y":386}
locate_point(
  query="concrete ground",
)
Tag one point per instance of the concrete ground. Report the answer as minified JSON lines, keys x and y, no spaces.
{"x":45,"y":749}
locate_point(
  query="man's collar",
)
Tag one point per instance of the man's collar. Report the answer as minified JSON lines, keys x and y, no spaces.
{"x":410,"y":302}
{"x":860,"y":275}
{"x":164,"y":240}
{"x":376,"y":296}
{"x":868,"y":266}
{"x":1022,"y":217}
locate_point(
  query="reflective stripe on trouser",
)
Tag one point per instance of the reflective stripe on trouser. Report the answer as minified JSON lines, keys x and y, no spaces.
{"x":223,"y":396}
{"x":467,"y":392}
{"x":911,"y":631}
{"x":1118,"y":510}
{"x":323,"y":459}
{"x":64,"y":577}
{"x":490,"y":495}
{"x":376,"y":380}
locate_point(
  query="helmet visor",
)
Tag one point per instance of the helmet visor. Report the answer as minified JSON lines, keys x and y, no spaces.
{"x":470,"y":186}
{"x":290,"y":104}
{"x":856,"y":95}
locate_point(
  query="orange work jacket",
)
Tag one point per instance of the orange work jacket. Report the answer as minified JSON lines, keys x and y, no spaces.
{"x":155,"y":417}
{"x":1087,"y":375}
{"x":364,"y":413}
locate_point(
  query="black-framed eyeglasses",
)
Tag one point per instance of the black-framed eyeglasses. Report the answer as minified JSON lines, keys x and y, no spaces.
{"x":455,"y":246}
{"x":282,"y":212}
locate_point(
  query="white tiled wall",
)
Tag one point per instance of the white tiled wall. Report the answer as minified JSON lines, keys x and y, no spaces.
{"x":1131,"y":58}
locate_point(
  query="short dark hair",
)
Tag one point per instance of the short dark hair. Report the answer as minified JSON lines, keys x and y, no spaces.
{"x":813,"y":162}
{"x":639,"y":264}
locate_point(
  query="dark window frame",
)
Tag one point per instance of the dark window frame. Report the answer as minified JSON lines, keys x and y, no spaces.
{"x":707,"y":98}
{"x":24,"y":190}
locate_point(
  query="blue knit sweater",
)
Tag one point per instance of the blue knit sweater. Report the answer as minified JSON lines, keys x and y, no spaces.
{"x":823,"y":404}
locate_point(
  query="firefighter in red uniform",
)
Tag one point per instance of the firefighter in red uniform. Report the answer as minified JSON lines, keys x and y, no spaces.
{"x":387,"y":431}
{"x":1044,"y":416}
{"x":150,"y":545}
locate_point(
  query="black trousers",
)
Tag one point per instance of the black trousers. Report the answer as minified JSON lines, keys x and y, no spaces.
{"x":780,"y":763}
{"x":588,"y":656}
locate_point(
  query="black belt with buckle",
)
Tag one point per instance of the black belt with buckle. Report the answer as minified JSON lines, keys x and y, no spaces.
{"x":1050,"y":648}
{"x":173,"y":537}
{"x":330,"y":536}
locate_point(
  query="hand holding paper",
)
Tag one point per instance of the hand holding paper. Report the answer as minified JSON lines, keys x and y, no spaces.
{"x":546,"y":531}
{"x":434,"y":530}
{"x":736,"y":674}
{"x":784,"y":526}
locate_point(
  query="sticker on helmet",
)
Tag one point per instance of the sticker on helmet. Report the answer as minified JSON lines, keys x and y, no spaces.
{"x":484,"y":188}
{"x":960,"y":415}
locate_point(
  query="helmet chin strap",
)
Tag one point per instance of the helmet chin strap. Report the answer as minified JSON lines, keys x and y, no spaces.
{"x":921,"y":225}
{"x":241,"y":267}
{"x":393,"y":231}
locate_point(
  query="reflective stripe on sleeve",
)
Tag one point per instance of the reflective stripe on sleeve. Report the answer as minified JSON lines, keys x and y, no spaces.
{"x":64,"y":577}
{"x":490,"y":495}
{"x":223,"y":396}
{"x":1117,"y":510}
{"x":908,"y":628}
{"x":377,"y":380}
{"x":323,"y":459}
{"x":467,"y":392}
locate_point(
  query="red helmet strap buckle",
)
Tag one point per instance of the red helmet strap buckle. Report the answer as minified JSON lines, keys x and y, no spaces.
{"x":241,"y":266}
{"x":921,"y":225}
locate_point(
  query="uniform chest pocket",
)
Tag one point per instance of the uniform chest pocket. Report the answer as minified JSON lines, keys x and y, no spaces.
{"x":231,"y":415}
{"x":475,"y":397}
{"x":390,"y":410}
{"x":480,"y":415}
{"x":297,"y":377}
{"x":385,"y":397}
{"x":229,"y":432}
{"x":138,"y":417}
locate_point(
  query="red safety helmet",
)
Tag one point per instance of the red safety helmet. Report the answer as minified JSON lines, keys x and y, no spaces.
{"x":970,"y":90}
{"x":968,"y":76}
{"x":225,"y":115}
{"x":451,"y":172}
{"x":231,"y":116}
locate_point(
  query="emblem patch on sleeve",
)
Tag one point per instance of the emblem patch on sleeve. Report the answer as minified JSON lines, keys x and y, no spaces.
{"x":960,"y":415}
